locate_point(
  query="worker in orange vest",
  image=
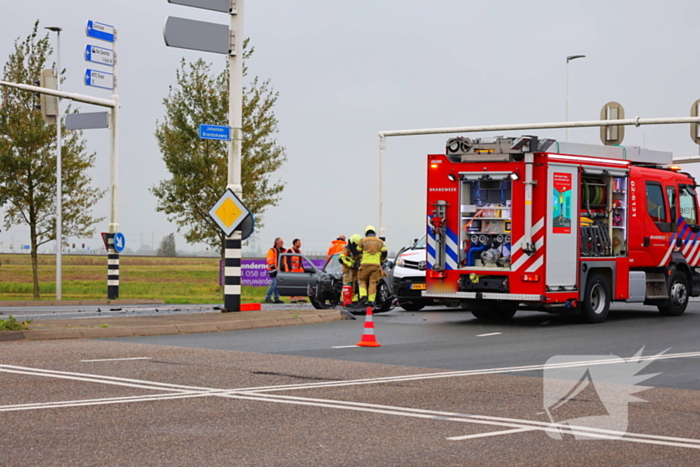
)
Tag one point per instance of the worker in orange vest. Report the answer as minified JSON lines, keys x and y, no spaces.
{"x":294,"y":265}
{"x":273,"y":260}
{"x":336,"y":246}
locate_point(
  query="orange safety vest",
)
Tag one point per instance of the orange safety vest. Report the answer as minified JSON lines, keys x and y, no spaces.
{"x":294,"y":262}
{"x":336,"y":247}
{"x":273,"y":255}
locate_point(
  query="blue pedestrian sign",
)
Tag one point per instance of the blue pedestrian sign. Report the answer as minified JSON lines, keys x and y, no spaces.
{"x":101,"y":31}
{"x":216,"y":132}
{"x":119,"y":242}
{"x":99,"y":79}
{"x":99,"y":55}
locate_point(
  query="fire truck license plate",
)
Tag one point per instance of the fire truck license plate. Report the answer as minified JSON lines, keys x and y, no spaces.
{"x":417,"y":286}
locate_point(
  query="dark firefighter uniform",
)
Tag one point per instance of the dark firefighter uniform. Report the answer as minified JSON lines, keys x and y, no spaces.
{"x":350,"y":259}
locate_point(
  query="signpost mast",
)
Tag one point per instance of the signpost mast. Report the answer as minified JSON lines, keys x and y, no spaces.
{"x":232,"y":244}
{"x":217,"y":38}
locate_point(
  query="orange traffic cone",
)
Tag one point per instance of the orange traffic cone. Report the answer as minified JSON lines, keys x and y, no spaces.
{"x":368,"y":337}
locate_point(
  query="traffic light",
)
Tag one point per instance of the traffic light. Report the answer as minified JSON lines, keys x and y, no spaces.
{"x":48,"y":104}
{"x":74,"y":246}
{"x":83,"y":246}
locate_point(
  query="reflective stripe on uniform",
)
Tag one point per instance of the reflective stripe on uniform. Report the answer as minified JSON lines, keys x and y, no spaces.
{"x":371,"y":259}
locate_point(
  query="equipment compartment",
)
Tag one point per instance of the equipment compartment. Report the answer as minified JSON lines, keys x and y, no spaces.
{"x":603,"y":216}
{"x":486,"y":210}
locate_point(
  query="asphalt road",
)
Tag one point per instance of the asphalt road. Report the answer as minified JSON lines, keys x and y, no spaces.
{"x":456,"y":340}
{"x":444,"y":389}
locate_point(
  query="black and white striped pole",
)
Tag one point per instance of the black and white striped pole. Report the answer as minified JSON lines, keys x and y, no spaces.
{"x":232,"y":217}
{"x":112,"y":269}
{"x":232,"y":272}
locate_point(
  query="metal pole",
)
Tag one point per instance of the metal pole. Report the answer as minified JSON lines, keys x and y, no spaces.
{"x":232,"y":244}
{"x":112,"y":255}
{"x":59,"y":176}
{"x":62,"y":94}
{"x":382,"y":148}
{"x":567,"y":99}
{"x":114,"y":147}
{"x":637,"y":121}
{"x":568,"y":59}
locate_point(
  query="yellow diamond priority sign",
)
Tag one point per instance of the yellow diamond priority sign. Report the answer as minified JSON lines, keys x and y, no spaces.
{"x":229,"y":212}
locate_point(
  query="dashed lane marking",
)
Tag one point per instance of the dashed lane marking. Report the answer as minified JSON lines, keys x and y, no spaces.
{"x":489,"y":334}
{"x":344,"y":347}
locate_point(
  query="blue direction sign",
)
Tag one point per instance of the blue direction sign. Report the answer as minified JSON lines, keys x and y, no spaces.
{"x":101,"y":31}
{"x":119,"y":242}
{"x":99,"y":55}
{"x":217,"y":132}
{"x":99,"y":79}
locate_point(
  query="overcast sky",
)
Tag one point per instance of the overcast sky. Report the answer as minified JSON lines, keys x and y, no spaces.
{"x":346,"y":70}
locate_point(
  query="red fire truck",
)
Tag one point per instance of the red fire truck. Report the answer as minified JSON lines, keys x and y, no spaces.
{"x":528,"y":223}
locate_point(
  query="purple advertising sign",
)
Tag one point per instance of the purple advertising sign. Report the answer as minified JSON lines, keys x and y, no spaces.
{"x":254,"y":272}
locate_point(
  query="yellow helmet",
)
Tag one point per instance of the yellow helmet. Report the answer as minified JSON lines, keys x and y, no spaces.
{"x":370,"y":228}
{"x":355,"y":238}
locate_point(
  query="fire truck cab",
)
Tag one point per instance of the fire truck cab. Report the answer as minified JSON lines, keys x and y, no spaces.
{"x":559,"y":227}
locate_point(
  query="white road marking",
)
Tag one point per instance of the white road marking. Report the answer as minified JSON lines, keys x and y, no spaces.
{"x":115,"y":400}
{"x":288,"y":387}
{"x":101,"y":379}
{"x":478,"y":419}
{"x":117,"y":359}
{"x":544,"y":323}
{"x":491,"y":433}
{"x":489,"y":334}
{"x":343,"y":347}
{"x":516,"y":425}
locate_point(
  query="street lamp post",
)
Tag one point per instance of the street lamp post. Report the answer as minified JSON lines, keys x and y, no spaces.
{"x":59,"y":180}
{"x":568,"y":59}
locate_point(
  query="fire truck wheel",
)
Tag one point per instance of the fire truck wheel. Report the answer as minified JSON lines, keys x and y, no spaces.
{"x":677,"y":296}
{"x":596,"y":300}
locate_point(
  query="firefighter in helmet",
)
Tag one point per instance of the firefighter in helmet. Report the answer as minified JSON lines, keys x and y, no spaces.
{"x":350,"y":259}
{"x":374,"y":252}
